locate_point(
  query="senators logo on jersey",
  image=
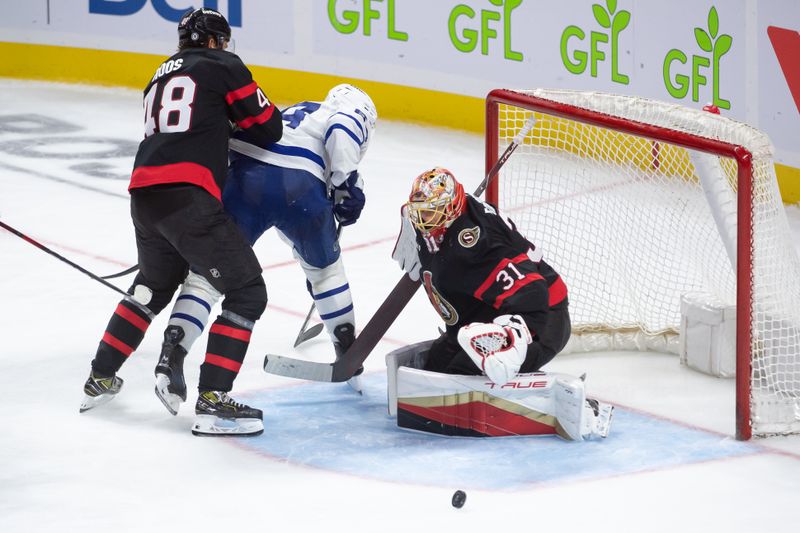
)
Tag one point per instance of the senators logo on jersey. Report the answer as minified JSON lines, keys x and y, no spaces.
{"x":469,"y":236}
{"x":442,"y":306}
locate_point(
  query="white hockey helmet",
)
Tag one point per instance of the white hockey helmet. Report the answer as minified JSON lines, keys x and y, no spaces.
{"x":346,"y":97}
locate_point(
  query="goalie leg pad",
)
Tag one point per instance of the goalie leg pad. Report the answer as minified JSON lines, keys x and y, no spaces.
{"x":530,"y":404}
{"x":414,"y":356}
{"x":331,"y":293}
{"x":193,"y":307}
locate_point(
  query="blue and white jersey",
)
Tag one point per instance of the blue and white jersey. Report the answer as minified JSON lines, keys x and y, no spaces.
{"x":328,"y":142}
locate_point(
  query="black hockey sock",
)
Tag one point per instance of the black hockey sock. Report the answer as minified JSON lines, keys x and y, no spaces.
{"x":123,"y":335}
{"x":227,"y":345}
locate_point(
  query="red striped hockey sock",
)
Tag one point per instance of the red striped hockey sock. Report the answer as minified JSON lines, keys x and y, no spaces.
{"x":227,"y":345}
{"x":124,"y":333}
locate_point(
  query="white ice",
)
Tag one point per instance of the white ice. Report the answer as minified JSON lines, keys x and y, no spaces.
{"x":130,"y":466}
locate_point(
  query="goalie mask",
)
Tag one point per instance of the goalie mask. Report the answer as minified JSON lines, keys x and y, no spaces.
{"x":196,"y":27}
{"x":436,"y":200}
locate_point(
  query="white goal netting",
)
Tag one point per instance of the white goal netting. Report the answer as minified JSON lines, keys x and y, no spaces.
{"x":633,"y":222}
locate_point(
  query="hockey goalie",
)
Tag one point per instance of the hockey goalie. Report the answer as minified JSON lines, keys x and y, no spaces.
{"x":506,"y":315}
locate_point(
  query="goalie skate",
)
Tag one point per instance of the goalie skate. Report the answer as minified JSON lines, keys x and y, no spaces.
{"x":603,"y":414}
{"x":218,"y":415}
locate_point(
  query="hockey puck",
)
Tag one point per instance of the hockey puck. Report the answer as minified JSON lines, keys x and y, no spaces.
{"x":459,"y":497}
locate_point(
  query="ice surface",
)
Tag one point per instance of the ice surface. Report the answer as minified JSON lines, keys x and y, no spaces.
{"x":328,"y":459}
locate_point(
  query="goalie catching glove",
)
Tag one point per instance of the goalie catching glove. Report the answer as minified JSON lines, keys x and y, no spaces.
{"x":349,"y":199}
{"x":499,"y":348}
{"x":405,"y":249}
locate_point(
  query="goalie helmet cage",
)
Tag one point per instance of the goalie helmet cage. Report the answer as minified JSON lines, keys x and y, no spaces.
{"x":638,"y":202}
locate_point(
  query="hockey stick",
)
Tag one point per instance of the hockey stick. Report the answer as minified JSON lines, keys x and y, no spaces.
{"x":305,"y":334}
{"x":343,"y":368}
{"x":62,"y":258}
{"x":125,"y":272}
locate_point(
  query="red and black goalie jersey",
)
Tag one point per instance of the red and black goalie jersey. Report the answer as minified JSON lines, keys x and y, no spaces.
{"x":485,"y":268}
{"x":189,"y":106}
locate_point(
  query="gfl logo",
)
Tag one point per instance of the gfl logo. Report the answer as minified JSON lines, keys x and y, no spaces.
{"x":713,"y":43}
{"x":162,"y":7}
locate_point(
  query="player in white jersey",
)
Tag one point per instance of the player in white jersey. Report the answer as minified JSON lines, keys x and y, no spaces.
{"x":301,"y":185}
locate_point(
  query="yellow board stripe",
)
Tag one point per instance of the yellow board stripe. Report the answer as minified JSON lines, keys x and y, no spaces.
{"x":127,"y":69}
{"x":789,"y":183}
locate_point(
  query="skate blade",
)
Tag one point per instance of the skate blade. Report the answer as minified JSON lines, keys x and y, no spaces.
{"x":212,"y":426}
{"x":171,"y":401}
{"x":90,"y":402}
{"x":355,"y":384}
{"x":604,"y":415}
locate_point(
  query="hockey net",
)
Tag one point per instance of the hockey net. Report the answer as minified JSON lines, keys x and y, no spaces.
{"x":637,"y":203}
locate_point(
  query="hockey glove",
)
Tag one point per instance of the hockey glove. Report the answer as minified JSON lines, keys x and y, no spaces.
{"x":348,"y":200}
{"x":498,"y":349}
{"x":405,"y":249}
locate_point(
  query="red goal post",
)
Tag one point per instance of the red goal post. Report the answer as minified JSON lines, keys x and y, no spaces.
{"x":613,"y":181}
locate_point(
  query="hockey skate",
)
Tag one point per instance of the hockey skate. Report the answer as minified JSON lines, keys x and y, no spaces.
{"x":346,"y":336}
{"x":603,"y":413}
{"x":170,"y":385}
{"x":99,"y":390}
{"x":219,"y":415}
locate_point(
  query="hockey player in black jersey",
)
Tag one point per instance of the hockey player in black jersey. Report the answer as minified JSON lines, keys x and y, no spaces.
{"x":505,"y":308}
{"x":190,"y":104}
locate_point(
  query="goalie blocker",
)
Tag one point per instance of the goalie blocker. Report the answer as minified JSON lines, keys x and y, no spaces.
{"x":535,"y":403}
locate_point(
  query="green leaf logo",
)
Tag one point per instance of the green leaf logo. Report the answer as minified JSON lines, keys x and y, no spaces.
{"x":713,"y":22}
{"x":703,"y":40}
{"x":601,"y":16}
{"x":723,"y":44}
{"x":621,"y":21}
